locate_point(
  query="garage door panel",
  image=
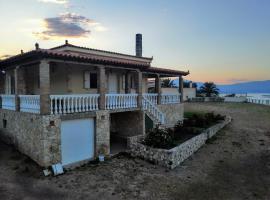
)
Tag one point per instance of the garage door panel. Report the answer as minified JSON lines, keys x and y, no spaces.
{"x":77,"y":138}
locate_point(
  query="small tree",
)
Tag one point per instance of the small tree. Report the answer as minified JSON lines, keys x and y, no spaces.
{"x":194,"y":85}
{"x":209,"y":89}
{"x":168,"y":83}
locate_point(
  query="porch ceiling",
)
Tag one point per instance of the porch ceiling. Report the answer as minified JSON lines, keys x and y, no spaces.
{"x":163,"y":72}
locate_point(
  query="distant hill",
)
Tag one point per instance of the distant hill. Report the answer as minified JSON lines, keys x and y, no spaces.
{"x":247,"y":87}
{"x":240,"y":88}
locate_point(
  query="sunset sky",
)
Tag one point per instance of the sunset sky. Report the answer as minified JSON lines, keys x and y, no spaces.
{"x":225,"y":41}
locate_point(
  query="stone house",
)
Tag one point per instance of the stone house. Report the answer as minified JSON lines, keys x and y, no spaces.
{"x":68,"y":103}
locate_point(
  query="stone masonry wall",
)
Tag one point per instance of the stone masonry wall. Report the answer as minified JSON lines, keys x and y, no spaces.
{"x":173,"y":113}
{"x":39,"y":136}
{"x":34,"y":135}
{"x":175,"y":156}
{"x":102,"y":130}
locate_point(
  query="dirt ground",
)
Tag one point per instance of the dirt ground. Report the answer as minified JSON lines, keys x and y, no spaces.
{"x":235,"y":164}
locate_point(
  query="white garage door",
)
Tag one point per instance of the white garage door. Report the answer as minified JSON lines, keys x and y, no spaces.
{"x":77,"y":140}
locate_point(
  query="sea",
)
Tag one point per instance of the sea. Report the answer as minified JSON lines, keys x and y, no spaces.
{"x":255,"y":95}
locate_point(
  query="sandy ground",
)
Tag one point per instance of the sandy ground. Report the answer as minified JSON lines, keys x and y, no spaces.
{"x":233,"y":165}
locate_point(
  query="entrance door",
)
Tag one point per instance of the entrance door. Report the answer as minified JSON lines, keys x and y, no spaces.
{"x":77,"y":140}
{"x":113,"y":83}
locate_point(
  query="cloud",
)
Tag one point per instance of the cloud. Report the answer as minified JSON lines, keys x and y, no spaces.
{"x":54,"y":1}
{"x":100,"y":28}
{"x":68,"y":25}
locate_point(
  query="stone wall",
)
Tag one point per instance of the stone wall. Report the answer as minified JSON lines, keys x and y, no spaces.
{"x":173,"y":113}
{"x":207,"y":99}
{"x":175,"y":156}
{"x":37,"y":136}
{"x":102,"y":130}
{"x":235,"y":99}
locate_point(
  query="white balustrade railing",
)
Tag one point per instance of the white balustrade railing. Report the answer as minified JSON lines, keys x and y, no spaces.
{"x":264,"y":101}
{"x":75,"y":103}
{"x":170,"y":98}
{"x":153,"y":110}
{"x":120,"y":101}
{"x":30,"y":103}
{"x":8,"y":102}
{"x":153,"y":97}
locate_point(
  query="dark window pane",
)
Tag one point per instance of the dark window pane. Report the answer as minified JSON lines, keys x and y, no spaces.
{"x":93,"y":80}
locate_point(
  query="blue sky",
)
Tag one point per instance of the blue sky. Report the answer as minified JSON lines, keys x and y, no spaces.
{"x":224,"y":41}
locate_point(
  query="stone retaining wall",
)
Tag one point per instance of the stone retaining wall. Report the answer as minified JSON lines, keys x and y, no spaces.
{"x":173,"y":113}
{"x":37,"y":136}
{"x":175,"y":156}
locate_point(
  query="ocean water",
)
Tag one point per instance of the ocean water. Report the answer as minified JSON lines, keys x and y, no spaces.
{"x":255,"y":95}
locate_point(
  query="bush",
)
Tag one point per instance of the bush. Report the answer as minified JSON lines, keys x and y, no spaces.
{"x":202,"y":120}
{"x":181,"y":130}
{"x":194,"y":124}
{"x":159,"y":138}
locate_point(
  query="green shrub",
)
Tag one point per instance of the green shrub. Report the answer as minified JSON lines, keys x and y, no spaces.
{"x":183,"y":130}
{"x":159,"y":138}
{"x":202,"y":120}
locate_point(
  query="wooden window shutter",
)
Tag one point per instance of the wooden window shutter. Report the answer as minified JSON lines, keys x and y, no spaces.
{"x":86,"y":79}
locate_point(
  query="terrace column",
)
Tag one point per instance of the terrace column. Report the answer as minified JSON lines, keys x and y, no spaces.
{"x":158,"y":88}
{"x":101,"y":80}
{"x":2,"y":83}
{"x":20,"y":88}
{"x":181,"y":85}
{"x":44,"y":85}
{"x":139,"y":87}
{"x":127,"y":83}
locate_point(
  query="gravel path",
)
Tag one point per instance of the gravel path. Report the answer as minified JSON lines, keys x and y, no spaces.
{"x":233,"y":165}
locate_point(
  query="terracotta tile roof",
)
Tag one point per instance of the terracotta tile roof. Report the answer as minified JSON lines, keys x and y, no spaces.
{"x":73,"y":56}
{"x":92,"y":49}
{"x":123,"y":60}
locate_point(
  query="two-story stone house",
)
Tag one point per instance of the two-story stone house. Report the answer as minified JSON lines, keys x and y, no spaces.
{"x":62,"y":105}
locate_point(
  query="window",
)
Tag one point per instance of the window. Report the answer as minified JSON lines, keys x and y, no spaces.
{"x":4,"y":123}
{"x":132,"y":82}
{"x":90,"y":80}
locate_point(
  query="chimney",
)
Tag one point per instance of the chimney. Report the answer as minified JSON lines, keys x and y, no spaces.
{"x":139,"y":45}
{"x":37,"y":46}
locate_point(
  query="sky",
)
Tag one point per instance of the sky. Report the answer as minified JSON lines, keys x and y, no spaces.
{"x":224,"y":41}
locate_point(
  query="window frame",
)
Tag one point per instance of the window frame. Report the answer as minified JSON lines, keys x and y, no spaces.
{"x":89,"y":83}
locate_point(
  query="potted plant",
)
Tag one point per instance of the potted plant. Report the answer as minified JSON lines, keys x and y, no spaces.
{"x":103,"y":150}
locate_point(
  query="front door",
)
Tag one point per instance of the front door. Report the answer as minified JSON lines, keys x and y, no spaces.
{"x":113,"y":83}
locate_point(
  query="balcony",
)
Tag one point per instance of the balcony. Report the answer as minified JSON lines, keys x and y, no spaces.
{"x":79,"y":103}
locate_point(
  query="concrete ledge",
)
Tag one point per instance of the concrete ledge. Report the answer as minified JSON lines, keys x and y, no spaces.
{"x":175,"y":156}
